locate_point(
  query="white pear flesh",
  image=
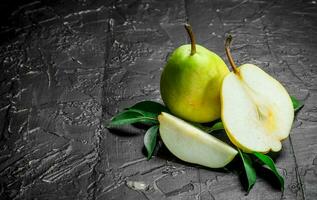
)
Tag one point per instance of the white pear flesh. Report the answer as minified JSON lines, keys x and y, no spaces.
{"x":193,"y":145}
{"x":257,"y":111}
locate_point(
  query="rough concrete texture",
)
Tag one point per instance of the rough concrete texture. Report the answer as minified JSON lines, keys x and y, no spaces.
{"x":67,"y":67}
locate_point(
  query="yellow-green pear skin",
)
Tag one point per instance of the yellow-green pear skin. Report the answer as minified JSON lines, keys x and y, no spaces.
{"x":193,"y":145}
{"x":257,"y":111}
{"x":190,"y":84}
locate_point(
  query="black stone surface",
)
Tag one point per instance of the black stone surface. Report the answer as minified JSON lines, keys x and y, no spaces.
{"x":68,"y":66}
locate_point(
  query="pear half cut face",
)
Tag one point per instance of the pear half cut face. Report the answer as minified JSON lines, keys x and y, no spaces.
{"x":193,"y":145}
{"x":257,"y":111}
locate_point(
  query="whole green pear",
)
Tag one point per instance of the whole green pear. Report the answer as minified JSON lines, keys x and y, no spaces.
{"x":191,"y":82}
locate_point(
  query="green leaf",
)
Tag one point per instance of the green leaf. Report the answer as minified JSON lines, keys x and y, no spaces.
{"x":145,"y":112}
{"x":270,"y":163}
{"x":249,"y":170}
{"x":217,"y":126}
{"x":148,"y":108}
{"x":297,"y":105}
{"x":150,"y":140}
{"x":130,"y":117}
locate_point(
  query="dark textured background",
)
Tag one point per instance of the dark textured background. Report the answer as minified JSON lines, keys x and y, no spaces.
{"x":68,"y":66}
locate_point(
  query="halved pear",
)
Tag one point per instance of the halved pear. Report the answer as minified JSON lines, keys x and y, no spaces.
{"x":193,"y":145}
{"x":257,"y":111}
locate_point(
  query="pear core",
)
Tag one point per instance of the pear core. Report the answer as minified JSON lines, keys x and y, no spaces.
{"x":257,"y":111}
{"x":192,"y":145}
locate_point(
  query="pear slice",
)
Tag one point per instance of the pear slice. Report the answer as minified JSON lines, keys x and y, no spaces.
{"x":257,"y":111}
{"x":192,"y":145}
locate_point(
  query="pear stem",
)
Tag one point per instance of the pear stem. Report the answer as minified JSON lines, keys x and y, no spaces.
{"x":189,"y":30}
{"x":227,"y":48}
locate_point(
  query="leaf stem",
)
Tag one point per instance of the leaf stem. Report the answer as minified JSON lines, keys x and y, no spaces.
{"x":227,"y":48}
{"x":189,"y":30}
